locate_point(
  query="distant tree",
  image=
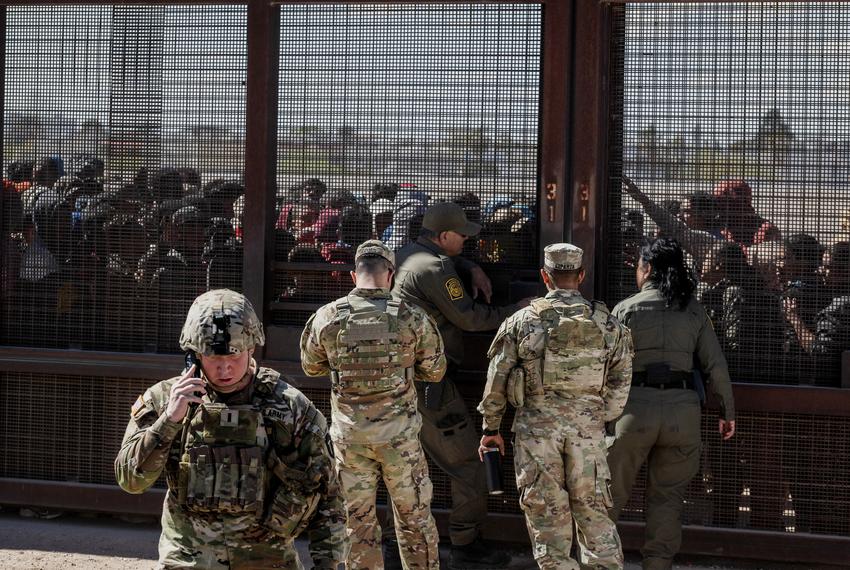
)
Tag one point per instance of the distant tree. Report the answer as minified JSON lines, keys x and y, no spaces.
{"x":774,"y":128}
{"x":774,"y":136}
{"x":22,"y":128}
{"x":346,"y":134}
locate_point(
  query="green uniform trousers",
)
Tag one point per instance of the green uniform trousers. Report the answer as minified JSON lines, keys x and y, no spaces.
{"x":450,"y":440}
{"x":661,"y":427}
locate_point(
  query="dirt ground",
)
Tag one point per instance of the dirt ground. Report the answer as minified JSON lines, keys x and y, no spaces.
{"x":91,"y":542}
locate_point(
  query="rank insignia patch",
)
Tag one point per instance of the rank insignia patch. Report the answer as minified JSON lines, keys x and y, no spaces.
{"x":455,"y":289}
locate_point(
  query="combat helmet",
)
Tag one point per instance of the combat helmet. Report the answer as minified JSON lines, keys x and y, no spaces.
{"x":221,"y":322}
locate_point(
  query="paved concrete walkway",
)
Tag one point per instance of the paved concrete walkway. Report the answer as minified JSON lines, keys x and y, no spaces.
{"x":107,"y":543}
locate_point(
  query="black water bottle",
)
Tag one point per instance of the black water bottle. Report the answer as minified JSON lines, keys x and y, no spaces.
{"x":493,"y":467}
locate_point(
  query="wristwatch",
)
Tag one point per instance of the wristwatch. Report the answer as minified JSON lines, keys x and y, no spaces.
{"x":490,"y":432}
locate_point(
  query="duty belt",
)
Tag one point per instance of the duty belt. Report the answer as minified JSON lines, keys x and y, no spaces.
{"x":674,"y":379}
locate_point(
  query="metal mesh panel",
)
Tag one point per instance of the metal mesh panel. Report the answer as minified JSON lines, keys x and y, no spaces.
{"x":732,"y":119}
{"x":505,"y":503}
{"x":63,"y":428}
{"x":384,"y":109}
{"x":123,"y":152}
{"x":781,"y":472}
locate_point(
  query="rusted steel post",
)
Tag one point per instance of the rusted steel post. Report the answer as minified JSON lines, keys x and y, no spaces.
{"x":260,"y":151}
{"x":554,"y":116}
{"x":588,"y":134}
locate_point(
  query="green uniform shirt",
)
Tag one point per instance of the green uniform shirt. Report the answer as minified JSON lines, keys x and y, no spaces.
{"x":664,"y":334}
{"x":427,"y":277}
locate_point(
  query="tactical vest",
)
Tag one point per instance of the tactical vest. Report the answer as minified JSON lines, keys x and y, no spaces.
{"x":222,"y":465}
{"x":370,"y":351}
{"x":576,"y":346}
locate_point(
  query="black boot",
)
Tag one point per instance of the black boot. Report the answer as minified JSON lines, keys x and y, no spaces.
{"x":477,"y":556}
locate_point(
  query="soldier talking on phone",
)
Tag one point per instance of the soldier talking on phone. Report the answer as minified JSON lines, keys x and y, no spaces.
{"x":245,"y":454}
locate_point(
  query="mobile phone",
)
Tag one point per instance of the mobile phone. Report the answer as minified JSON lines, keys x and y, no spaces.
{"x":191,"y":359}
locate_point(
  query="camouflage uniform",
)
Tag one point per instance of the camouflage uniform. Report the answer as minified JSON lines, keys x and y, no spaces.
{"x":247,"y":472}
{"x":373,"y":346}
{"x":566,"y":364}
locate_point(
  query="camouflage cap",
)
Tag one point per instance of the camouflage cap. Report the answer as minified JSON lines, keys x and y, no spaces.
{"x":375,"y":247}
{"x":562,"y":257}
{"x":221,"y":322}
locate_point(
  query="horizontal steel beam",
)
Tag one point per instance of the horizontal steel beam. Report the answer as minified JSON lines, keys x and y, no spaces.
{"x":708,"y":541}
{"x":100,"y":364}
{"x":82,"y":497}
{"x":755,"y":544}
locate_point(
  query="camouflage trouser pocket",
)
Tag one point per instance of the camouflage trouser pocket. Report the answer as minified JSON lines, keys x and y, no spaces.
{"x":527,"y":475}
{"x":603,"y":483}
{"x":290,"y":512}
{"x":532,"y":498}
{"x":422,"y":483}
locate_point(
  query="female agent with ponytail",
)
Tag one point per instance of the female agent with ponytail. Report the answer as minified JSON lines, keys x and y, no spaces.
{"x":660,"y":425}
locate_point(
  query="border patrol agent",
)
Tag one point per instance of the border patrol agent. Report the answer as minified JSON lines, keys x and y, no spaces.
{"x":374,"y":346}
{"x":661,"y":422}
{"x":565,"y":363}
{"x":427,"y":276}
{"x":244,"y":453}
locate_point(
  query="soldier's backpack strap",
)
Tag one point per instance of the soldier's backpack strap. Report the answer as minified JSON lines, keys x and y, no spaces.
{"x":542,"y":305}
{"x":600,"y":315}
{"x":394,"y":307}
{"x":343,"y":309}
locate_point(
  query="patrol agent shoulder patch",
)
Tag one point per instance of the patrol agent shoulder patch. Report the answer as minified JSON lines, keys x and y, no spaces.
{"x":454,"y":288}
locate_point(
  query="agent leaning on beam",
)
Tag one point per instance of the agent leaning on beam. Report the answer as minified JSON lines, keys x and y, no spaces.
{"x":374,"y":346}
{"x":661,"y":422}
{"x":244,"y":453}
{"x":565,"y":363}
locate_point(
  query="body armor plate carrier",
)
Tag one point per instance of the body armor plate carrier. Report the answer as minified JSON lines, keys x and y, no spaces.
{"x":222,"y":466}
{"x":370,"y":351}
{"x":576,"y":346}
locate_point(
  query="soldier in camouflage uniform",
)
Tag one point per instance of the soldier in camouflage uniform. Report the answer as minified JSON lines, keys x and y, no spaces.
{"x":565,"y":363}
{"x":244,"y":453}
{"x":374,"y":346}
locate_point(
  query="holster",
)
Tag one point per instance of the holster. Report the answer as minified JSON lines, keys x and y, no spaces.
{"x":433,"y":394}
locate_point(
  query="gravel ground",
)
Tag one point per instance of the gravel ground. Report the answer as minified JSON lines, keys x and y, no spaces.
{"x":108,"y":543}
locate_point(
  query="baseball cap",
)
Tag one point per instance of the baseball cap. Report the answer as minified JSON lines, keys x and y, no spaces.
{"x":449,"y":217}
{"x":375,"y":247}
{"x":562,"y":257}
